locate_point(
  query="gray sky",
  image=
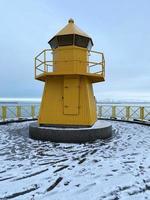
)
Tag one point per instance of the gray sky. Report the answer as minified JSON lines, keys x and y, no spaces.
{"x":120,"y":29}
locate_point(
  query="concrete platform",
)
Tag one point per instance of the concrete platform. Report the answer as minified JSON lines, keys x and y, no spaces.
{"x":100,"y":130}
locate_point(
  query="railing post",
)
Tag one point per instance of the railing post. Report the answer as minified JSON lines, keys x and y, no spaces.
{"x":45,"y":61}
{"x":33,"y":111}
{"x":18,"y":111}
{"x":35,"y":67}
{"x":4,"y":113}
{"x":142,"y":113}
{"x":127,"y":112}
{"x":99,"y":111}
{"x":113,"y":112}
{"x":103,"y":65}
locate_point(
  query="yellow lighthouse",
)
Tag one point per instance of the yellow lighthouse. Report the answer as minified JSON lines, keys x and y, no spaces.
{"x":68,"y":98}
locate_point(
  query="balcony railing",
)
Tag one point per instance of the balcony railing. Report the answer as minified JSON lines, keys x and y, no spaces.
{"x":44,"y":63}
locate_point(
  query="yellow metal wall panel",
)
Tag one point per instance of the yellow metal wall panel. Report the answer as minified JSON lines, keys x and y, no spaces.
{"x":51,"y":105}
{"x":63,"y":59}
{"x":70,"y":59}
{"x":71,"y":95}
{"x":80,"y":57}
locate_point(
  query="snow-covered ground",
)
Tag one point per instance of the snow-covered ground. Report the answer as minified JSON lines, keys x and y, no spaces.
{"x":118,"y":168}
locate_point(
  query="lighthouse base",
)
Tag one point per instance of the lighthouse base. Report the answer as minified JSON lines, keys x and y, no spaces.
{"x":100,"y":130}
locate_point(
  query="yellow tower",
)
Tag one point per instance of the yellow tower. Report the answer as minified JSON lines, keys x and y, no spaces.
{"x":68,"y":98}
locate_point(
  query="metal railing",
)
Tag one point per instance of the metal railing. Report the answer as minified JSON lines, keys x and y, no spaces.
{"x":13,"y":112}
{"x":101,"y":64}
{"x":44,"y":63}
{"x":119,"y":112}
{"x":127,"y":113}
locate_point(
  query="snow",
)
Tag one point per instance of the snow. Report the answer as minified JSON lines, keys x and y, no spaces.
{"x":118,"y":168}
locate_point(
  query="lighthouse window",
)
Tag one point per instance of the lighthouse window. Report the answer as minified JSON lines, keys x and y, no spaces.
{"x":89,"y":45}
{"x":81,"y":41}
{"x":64,"y":40}
{"x":72,"y":39}
{"x":53,"y":42}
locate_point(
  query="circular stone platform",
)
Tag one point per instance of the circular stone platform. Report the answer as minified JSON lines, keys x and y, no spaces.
{"x":100,"y":130}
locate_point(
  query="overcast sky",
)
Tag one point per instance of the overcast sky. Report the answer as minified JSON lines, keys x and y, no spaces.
{"x":120,"y":29}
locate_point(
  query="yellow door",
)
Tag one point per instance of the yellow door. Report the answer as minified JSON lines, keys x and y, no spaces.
{"x":71,"y":96}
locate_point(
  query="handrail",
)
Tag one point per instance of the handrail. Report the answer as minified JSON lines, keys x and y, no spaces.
{"x":18,"y":112}
{"x":129,"y":113}
{"x":43,"y":52}
{"x":42,"y":64}
{"x":124,"y":112}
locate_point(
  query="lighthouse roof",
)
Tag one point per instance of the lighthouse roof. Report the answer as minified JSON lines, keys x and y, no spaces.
{"x":71,"y":28}
{"x":71,"y":35}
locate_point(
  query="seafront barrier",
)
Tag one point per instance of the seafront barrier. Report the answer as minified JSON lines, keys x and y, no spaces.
{"x":18,"y":112}
{"x":104,"y":111}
